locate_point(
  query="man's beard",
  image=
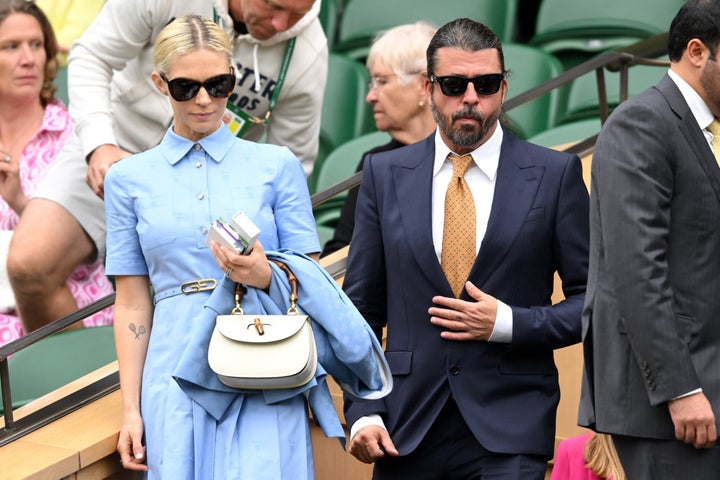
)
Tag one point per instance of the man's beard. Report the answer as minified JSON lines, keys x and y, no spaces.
{"x":466,"y":135}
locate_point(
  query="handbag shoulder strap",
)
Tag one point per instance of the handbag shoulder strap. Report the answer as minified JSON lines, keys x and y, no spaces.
{"x":293,"y":286}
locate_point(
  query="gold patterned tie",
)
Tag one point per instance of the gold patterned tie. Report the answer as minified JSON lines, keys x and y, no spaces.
{"x":714,"y":128}
{"x":458,"y":245}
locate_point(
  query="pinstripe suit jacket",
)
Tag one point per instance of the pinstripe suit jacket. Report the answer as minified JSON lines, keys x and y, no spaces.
{"x":508,"y":393}
{"x":651,"y":323}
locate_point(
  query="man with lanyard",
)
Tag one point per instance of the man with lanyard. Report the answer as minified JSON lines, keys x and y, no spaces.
{"x":280,"y":54}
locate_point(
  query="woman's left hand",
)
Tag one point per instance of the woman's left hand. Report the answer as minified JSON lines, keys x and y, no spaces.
{"x":252,"y":269}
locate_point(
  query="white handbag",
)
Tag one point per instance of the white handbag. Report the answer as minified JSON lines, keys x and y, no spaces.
{"x":264,"y":351}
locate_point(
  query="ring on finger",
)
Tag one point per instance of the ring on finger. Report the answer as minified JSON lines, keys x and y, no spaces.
{"x":228,"y":272}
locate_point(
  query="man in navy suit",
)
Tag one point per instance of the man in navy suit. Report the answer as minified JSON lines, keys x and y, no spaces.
{"x":475,"y":384}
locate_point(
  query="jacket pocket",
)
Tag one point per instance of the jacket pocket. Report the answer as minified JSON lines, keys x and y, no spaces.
{"x":400,"y":362}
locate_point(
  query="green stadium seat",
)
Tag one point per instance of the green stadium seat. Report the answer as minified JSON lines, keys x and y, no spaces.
{"x":576,"y":30}
{"x":345,"y":114}
{"x":362,"y":20}
{"x":529,"y":67}
{"x":325,"y":233}
{"x":338,"y":166}
{"x":58,"y":360}
{"x":582,"y":98}
{"x":329,"y":17}
{"x":567,"y":133}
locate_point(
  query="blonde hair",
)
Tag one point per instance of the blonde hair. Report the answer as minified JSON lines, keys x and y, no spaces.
{"x":187,"y":34}
{"x":402,"y":49}
{"x":602,"y":459}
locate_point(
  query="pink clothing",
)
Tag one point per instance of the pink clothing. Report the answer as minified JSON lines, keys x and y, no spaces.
{"x":570,"y":460}
{"x":88,"y":283}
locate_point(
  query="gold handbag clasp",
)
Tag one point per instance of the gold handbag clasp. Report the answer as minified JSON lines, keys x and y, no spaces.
{"x":199,"y":285}
{"x":259,"y":326}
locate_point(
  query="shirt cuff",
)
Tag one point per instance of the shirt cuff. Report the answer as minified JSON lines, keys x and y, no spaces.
{"x":697,"y":390}
{"x":502,"y":331}
{"x":361,"y":422}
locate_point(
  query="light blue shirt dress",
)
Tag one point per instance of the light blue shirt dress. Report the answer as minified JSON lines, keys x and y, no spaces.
{"x":159,"y":206}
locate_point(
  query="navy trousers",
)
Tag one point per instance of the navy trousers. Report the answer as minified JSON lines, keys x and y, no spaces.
{"x":450,"y":451}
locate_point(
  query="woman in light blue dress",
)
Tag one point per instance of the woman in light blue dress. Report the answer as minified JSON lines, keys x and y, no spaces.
{"x":159,"y":206}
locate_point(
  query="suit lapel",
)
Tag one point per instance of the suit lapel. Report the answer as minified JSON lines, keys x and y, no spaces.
{"x":412,"y":177}
{"x":689,"y":128}
{"x":515,"y":188}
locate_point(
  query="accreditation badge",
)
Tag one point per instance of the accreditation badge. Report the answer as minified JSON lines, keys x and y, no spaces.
{"x":236,"y":120}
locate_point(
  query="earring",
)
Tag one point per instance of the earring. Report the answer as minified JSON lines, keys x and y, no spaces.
{"x":421,"y":103}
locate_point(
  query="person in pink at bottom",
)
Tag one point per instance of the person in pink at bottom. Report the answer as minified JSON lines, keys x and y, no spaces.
{"x":590,"y":456}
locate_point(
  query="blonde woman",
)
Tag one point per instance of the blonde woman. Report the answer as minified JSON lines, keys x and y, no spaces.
{"x":158,"y":206}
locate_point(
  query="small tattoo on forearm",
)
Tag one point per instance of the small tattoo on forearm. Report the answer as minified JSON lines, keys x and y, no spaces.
{"x":136,"y":330}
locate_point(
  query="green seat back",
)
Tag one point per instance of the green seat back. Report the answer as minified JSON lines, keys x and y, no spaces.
{"x":329,"y":16}
{"x":529,"y":67}
{"x":339,"y":165}
{"x":58,"y":360}
{"x":345,"y":114}
{"x":364,"y":19}
{"x":575,"y":30}
{"x":582,"y":99}
{"x":343,"y":161}
{"x":567,"y":133}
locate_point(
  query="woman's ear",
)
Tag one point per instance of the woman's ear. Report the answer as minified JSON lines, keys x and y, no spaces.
{"x":159,"y":82}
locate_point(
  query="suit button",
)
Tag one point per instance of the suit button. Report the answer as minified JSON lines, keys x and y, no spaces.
{"x":454,"y":369}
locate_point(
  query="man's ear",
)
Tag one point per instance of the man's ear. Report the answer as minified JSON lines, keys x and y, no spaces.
{"x":697,"y":52}
{"x":159,"y":82}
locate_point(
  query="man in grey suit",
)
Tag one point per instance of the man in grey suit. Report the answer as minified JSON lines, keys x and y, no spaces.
{"x":651,"y":323}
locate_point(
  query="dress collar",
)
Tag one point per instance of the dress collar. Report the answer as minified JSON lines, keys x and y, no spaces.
{"x":216,"y":145}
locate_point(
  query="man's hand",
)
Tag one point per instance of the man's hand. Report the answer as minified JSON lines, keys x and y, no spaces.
{"x":694,"y":420}
{"x":465,"y":320}
{"x":371,"y":443}
{"x":100,"y":161}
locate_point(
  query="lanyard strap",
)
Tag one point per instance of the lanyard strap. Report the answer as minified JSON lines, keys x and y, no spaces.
{"x":281,"y":79}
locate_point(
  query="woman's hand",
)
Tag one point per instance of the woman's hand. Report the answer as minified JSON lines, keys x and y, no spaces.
{"x":252,"y":269}
{"x":10,"y":187}
{"x":130,"y":447}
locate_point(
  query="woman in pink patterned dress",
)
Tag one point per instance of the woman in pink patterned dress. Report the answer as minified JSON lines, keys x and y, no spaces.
{"x":33,"y":128}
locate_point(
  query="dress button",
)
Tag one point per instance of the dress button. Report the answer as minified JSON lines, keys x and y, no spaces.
{"x":197,"y":146}
{"x":201,"y":196}
{"x":198,"y":164}
{"x":203,"y":230}
{"x":454,"y":369}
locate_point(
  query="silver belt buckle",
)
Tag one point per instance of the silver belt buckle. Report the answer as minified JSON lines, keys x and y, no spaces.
{"x":199,"y":285}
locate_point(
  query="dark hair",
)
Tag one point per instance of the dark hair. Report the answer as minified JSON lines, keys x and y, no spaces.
{"x":696,"y":19}
{"x":7,"y":8}
{"x":464,"y":34}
